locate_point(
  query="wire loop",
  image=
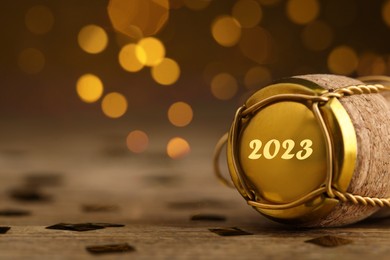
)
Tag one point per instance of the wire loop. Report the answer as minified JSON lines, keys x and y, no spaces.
{"x":314,"y":102}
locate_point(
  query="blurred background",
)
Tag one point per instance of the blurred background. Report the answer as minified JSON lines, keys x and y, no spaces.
{"x":162,"y":71}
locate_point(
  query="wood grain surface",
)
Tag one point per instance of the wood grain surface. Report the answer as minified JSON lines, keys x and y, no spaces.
{"x":87,"y":175}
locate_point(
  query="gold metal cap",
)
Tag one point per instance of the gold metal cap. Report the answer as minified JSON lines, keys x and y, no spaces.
{"x":290,"y":145}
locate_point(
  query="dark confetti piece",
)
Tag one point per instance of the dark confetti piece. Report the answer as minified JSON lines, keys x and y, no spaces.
{"x":83,"y":226}
{"x":208,"y":217}
{"x":29,"y":194}
{"x":197,"y":204}
{"x":162,"y":179}
{"x":233,"y":231}
{"x":14,"y":213}
{"x":112,"y":248}
{"x":99,"y":208}
{"x":4,"y":230}
{"x":329,"y":241}
{"x":38,"y":179}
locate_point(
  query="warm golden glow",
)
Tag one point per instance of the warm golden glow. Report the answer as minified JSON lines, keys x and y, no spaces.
{"x":92,"y":39}
{"x":138,"y":18}
{"x":247,"y":12}
{"x":114,"y":105}
{"x":224,"y":86}
{"x":150,"y":51}
{"x":257,"y":45}
{"x":302,"y":11}
{"x":371,"y":64}
{"x":137,"y":141}
{"x":226,"y":31}
{"x":180,"y":114}
{"x":197,"y":4}
{"x":128,"y":58}
{"x":178,"y":148}
{"x":386,"y":12}
{"x":39,"y":19}
{"x":31,"y":61}
{"x":257,"y":77}
{"x":343,"y":60}
{"x":167,"y":72}
{"x":317,"y":36}
{"x":89,"y":88}
{"x":269,"y":2}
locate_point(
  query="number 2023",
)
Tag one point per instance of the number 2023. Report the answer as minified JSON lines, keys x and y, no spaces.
{"x":288,"y":145}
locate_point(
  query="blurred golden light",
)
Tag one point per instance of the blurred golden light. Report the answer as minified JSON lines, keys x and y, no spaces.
{"x":39,"y":19}
{"x":178,"y":148}
{"x":371,"y":64}
{"x":386,"y":12}
{"x":176,"y":4}
{"x":302,"y":11}
{"x":180,"y":114}
{"x":137,"y":141}
{"x":256,"y":44}
{"x":317,"y":36}
{"x":197,"y":4}
{"x":226,"y":31}
{"x":268,"y":2}
{"x":114,"y":105}
{"x":138,"y":18}
{"x":224,"y":86}
{"x":31,"y":61}
{"x":343,"y":60}
{"x":92,"y":39}
{"x":167,"y":72}
{"x":150,"y":51}
{"x":257,"y":77}
{"x":89,"y":88}
{"x":214,"y":68}
{"x":128,"y":58}
{"x":247,"y":12}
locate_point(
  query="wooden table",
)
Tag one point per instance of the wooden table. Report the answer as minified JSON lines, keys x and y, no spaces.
{"x":79,"y":171}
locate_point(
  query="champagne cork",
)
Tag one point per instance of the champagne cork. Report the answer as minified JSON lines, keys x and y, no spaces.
{"x":312,"y":151}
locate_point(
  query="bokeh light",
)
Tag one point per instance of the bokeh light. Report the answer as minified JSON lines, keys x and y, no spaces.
{"x":137,"y":141}
{"x":114,"y":105}
{"x":92,"y":39}
{"x":386,"y":12}
{"x":302,"y":11}
{"x":257,"y":77}
{"x":226,"y":31}
{"x":128,"y":58}
{"x":317,"y":36}
{"x":31,"y":61}
{"x":178,"y":148}
{"x":371,"y":64}
{"x":180,"y":114}
{"x":39,"y":19}
{"x":269,"y":2}
{"x":166,"y":72}
{"x":89,"y":88}
{"x":150,"y":51}
{"x":224,"y":86}
{"x":247,"y":12}
{"x":343,"y":60}
{"x":138,"y":18}
{"x":197,"y":4}
{"x":257,"y":44}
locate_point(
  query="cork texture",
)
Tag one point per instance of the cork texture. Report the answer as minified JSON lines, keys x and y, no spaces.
{"x":370,"y":116}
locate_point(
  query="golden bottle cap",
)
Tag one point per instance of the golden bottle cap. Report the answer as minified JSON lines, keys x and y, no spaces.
{"x":289,"y":146}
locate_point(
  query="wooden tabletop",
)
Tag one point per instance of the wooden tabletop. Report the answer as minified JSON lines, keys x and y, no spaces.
{"x":144,"y":206}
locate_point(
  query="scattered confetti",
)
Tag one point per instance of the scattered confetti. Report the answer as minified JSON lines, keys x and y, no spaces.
{"x":82,"y":226}
{"x":233,"y":231}
{"x":208,"y":217}
{"x":4,"y":230}
{"x":14,"y":213}
{"x":329,"y":241}
{"x":112,"y":248}
{"x":28,"y":194}
{"x":99,"y":208}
